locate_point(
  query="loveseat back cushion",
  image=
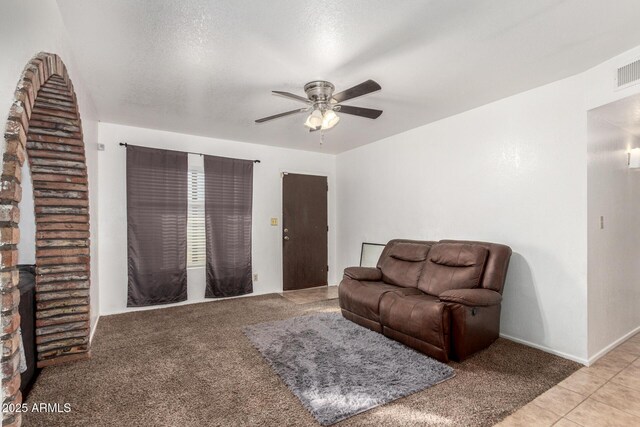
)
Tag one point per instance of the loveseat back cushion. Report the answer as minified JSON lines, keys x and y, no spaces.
{"x":412,"y":252}
{"x":452,"y":266}
{"x":495,"y":270}
{"x":402,"y":264}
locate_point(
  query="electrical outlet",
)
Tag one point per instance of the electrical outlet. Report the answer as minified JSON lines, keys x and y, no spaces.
{"x":274,"y":222}
{"x":255,"y":277}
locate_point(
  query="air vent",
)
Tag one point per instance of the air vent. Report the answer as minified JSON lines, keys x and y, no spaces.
{"x":628,"y":75}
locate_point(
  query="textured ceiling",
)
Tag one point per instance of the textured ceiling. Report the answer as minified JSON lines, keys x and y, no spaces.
{"x":207,"y":67}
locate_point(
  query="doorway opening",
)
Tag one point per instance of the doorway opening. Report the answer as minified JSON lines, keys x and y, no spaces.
{"x":613,"y":232}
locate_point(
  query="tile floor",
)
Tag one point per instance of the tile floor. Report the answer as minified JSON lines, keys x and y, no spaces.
{"x":604,"y":394}
{"x":305,"y":296}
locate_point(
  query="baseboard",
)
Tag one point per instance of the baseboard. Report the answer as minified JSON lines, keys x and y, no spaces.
{"x":187,"y":302}
{"x":547,"y":349}
{"x":613,"y":345}
{"x":93,"y":329}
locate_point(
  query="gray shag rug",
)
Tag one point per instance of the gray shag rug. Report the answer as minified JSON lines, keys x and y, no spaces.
{"x":339,"y":369}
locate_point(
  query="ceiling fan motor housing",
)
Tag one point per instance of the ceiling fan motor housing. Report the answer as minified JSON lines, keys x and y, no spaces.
{"x":320,"y":92}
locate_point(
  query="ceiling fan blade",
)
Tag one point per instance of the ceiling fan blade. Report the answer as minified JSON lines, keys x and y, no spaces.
{"x":275,"y":116}
{"x":358,"y":90}
{"x":291,"y":96}
{"x":360,"y":111}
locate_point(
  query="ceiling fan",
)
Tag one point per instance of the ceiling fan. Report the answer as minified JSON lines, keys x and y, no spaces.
{"x":324,"y":105}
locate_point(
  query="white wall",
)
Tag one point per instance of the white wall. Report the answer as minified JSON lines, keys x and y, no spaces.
{"x":515,"y":172}
{"x":612,"y":283}
{"x":26,"y":28}
{"x":511,"y":172}
{"x":267,"y":203}
{"x":90,"y":133}
{"x":614,"y":270}
{"x":27,"y":244}
{"x":600,"y":80}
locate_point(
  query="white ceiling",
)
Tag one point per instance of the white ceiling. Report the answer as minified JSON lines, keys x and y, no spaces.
{"x":207,"y":67}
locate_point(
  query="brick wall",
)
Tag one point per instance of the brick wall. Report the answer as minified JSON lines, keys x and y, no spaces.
{"x":44,"y":124}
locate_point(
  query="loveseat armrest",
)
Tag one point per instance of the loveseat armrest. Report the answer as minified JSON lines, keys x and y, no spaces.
{"x":363,"y":273}
{"x":472,"y":297}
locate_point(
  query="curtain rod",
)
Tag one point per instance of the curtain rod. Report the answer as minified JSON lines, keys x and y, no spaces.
{"x":124,"y":144}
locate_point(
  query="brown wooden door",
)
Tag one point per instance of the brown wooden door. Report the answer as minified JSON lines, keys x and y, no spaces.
{"x":304,"y":231}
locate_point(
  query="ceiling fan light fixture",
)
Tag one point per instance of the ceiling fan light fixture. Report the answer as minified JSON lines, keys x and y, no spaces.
{"x":329,"y":119}
{"x":314,"y":120}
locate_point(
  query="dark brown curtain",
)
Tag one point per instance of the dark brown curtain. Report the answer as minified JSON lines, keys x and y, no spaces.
{"x":228,"y":189}
{"x":156,"y":226}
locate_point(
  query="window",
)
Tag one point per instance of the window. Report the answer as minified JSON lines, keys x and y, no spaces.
{"x":196,"y":238}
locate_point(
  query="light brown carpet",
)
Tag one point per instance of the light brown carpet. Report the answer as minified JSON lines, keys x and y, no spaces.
{"x":192,"y":366}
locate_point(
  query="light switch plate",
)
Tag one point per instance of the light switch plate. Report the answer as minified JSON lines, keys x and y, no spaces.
{"x":274,"y":221}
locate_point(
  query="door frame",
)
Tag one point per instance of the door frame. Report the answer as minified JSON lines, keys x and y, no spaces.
{"x":330,"y":258}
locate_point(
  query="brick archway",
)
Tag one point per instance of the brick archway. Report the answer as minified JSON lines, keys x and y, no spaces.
{"x":44,"y":125}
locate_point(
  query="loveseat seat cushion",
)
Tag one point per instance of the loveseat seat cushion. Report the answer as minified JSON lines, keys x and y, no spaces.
{"x":403,"y":264}
{"x":452,"y":266}
{"x":363,"y":298}
{"x":422,"y":317}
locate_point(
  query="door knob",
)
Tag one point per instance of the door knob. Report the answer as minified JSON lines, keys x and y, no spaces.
{"x":286,"y":237}
{"x":286,"y":230}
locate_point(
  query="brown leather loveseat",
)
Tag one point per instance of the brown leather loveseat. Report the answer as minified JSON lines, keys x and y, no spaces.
{"x":441,"y":298}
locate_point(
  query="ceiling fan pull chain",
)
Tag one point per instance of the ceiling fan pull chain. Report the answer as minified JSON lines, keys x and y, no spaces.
{"x":321,"y":137}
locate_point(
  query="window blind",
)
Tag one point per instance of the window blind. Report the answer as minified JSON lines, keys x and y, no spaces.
{"x":196,"y":236}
